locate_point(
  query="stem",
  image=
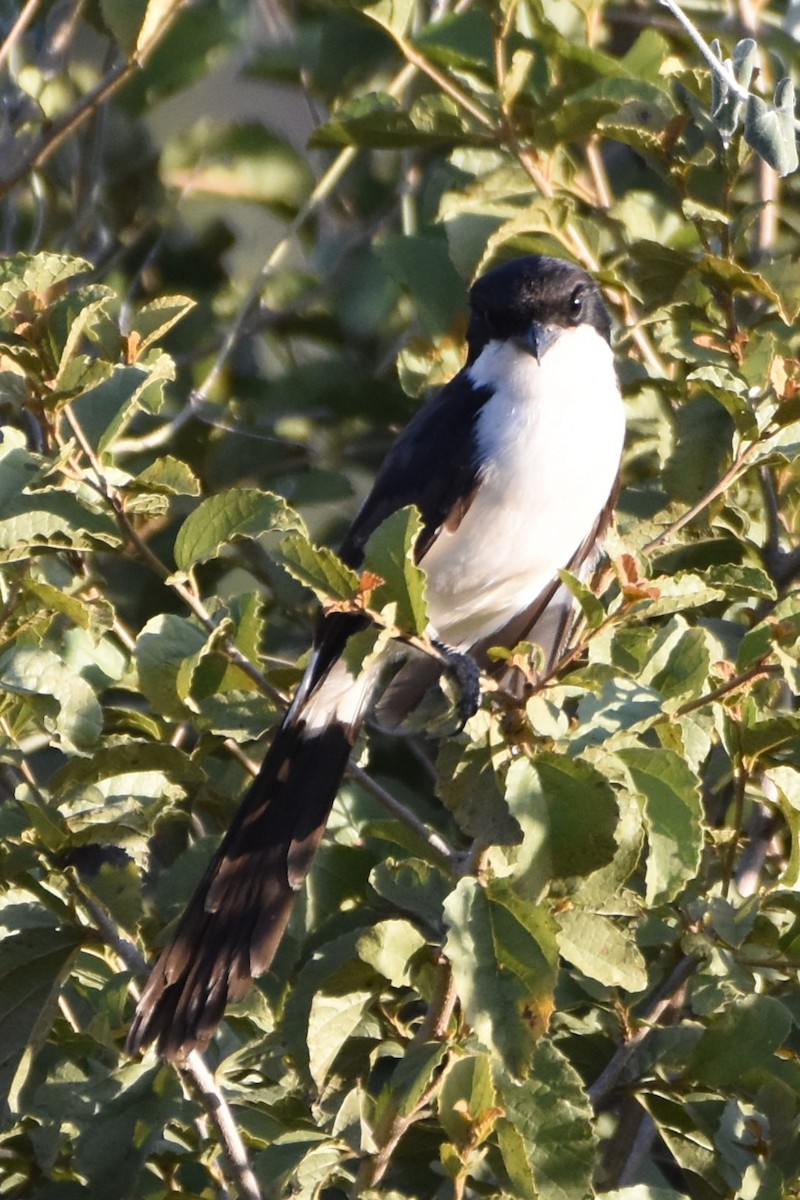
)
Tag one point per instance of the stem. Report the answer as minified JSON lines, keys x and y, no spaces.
{"x":192,"y":602}
{"x":220,"y":1115}
{"x":393,"y":1124}
{"x":655,"y":1007}
{"x":17,"y":29}
{"x":440,"y":848}
{"x":730,"y":476}
{"x":61,"y":129}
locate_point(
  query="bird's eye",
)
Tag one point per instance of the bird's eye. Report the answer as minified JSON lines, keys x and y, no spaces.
{"x":575,"y":306}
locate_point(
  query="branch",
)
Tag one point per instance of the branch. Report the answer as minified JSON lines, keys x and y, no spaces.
{"x":394,"y":1124}
{"x":17,"y":29}
{"x":437,"y":844}
{"x":219,"y":1113}
{"x":655,"y":1007}
{"x":61,"y":129}
{"x":192,"y":602}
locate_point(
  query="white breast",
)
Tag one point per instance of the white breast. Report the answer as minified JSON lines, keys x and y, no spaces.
{"x":550,"y":441}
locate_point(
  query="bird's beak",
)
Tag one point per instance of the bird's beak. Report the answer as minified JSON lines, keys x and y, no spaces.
{"x":540,"y":338}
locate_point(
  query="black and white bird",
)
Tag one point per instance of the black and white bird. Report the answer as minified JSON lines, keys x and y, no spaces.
{"x":513,"y":467}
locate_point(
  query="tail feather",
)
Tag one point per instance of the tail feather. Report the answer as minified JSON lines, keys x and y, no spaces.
{"x":234,"y":922}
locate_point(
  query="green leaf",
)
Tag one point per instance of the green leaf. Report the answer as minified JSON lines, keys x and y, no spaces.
{"x":504,"y":960}
{"x":546,"y":1137}
{"x":124,"y":20}
{"x":467,"y":1104}
{"x":33,"y":673}
{"x":317,"y":567}
{"x":769,"y":132}
{"x":32,"y":520}
{"x":422,"y":267}
{"x":600,"y":950}
{"x":36,"y":274}
{"x":468,"y":784}
{"x":389,"y":947}
{"x":389,"y":554}
{"x":413,"y":886}
{"x":168,"y":475}
{"x":590,"y":606}
{"x":332,"y":1020}
{"x":673,"y":817}
{"x":786,"y":781}
{"x":743,"y":1039}
{"x":32,"y":967}
{"x":414,"y":1074}
{"x":228,"y":517}
{"x":243,"y":162}
{"x":165,"y":644}
{"x":129,"y":759}
{"x":394,"y":15}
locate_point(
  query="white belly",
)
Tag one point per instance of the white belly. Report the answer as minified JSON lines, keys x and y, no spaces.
{"x":551,"y":442}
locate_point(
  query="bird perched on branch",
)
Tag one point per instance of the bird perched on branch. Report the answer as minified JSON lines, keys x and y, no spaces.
{"x":513,"y":467}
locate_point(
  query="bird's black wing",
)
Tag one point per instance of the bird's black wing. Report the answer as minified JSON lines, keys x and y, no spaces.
{"x":433,"y":464}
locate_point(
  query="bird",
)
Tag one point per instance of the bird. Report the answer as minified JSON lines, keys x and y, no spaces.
{"x":513,"y":466}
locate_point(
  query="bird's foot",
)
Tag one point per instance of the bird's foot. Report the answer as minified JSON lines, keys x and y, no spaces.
{"x":463,"y":669}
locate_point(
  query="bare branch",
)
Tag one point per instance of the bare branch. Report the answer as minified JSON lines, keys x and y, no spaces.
{"x":220,"y":1115}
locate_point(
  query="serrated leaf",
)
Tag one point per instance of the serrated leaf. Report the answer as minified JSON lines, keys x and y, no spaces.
{"x":32,"y":966}
{"x":35,"y":273}
{"x":389,"y":554}
{"x":468,"y":785}
{"x":32,"y":520}
{"x":412,"y":885}
{"x":168,"y":475}
{"x":673,"y":817}
{"x":546,"y":1138}
{"x":502,"y":950}
{"x":317,"y":567}
{"x":132,"y":758}
{"x":601,"y":950}
{"x":228,"y":517}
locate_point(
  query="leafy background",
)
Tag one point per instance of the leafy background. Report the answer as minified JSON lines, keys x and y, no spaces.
{"x":555,"y":955}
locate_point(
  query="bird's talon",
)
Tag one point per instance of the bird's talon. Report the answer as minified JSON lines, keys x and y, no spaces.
{"x":466,"y":673}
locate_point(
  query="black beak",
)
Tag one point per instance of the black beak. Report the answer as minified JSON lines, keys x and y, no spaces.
{"x":540,"y":338}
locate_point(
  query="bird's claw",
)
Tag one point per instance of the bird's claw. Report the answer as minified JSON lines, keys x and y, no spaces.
{"x":466,"y":673}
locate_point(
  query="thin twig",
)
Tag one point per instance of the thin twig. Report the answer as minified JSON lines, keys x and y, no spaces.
{"x":192,"y":602}
{"x":394,"y":1124}
{"x":219,"y":1113}
{"x":656,"y":1006}
{"x":437,"y":844}
{"x":17,"y":29}
{"x":730,"y":476}
{"x":59,"y":130}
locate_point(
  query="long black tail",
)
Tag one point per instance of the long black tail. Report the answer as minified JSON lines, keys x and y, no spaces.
{"x":236,"y":917}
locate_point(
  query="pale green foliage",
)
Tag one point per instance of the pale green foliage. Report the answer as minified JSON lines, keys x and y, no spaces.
{"x":575,"y":973}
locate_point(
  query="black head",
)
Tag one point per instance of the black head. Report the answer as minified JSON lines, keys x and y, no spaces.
{"x":533,"y":291}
